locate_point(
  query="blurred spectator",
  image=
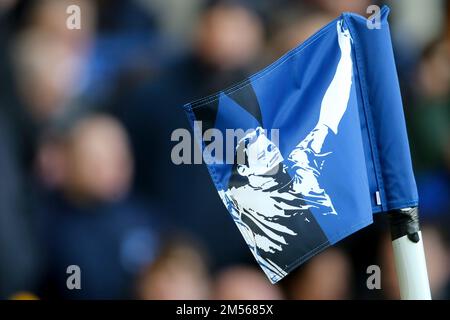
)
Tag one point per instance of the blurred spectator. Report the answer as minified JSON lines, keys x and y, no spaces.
{"x":430,"y":118}
{"x":176,"y":18}
{"x":50,"y":59}
{"x":99,"y":166}
{"x":417,"y":22}
{"x":294,"y":27}
{"x":179,"y":272}
{"x":244,"y":283}
{"x":229,"y":36}
{"x":429,"y":128}
{"x":326,"y":277}
{"x":94,"y":222}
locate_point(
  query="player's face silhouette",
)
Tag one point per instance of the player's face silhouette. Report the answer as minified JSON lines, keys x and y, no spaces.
{"x":262,"y":154}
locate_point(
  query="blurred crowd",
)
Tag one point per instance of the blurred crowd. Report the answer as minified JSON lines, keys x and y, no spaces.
{"x":85,"y":123}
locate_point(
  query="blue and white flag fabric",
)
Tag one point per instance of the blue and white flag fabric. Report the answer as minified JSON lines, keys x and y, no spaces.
{"x":318,"y":144}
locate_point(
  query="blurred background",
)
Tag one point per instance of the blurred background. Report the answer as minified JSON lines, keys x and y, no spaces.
{"x":85,"y":171}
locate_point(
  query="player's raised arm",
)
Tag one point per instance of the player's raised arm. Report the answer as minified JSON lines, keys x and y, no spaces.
{"x":335,"y":100}
{"x":336,"y":97}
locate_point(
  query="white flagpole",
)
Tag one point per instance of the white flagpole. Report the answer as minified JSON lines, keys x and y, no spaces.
{"x":409,"y":254}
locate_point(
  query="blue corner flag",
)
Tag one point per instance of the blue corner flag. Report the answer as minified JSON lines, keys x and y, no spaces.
{"x":319,"y":144}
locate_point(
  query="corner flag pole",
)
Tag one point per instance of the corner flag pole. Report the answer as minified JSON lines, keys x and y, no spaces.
{"x":409,"y":254}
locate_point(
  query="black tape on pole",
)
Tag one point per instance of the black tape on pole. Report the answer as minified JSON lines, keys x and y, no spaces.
{"x":405,"y":222}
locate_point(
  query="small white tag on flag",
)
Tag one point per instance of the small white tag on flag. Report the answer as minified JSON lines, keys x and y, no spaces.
{"x":378,"y":198}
